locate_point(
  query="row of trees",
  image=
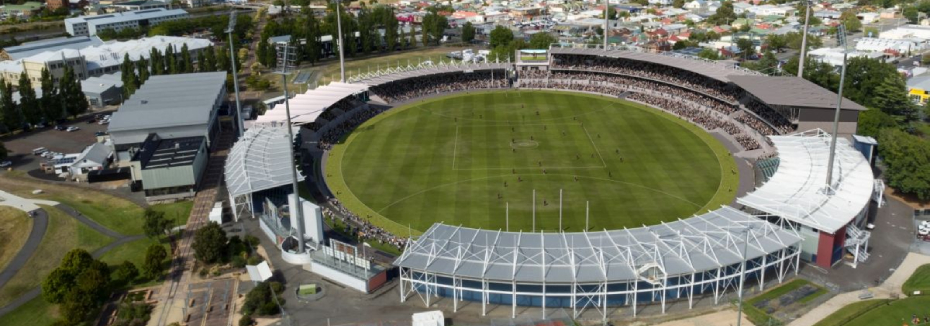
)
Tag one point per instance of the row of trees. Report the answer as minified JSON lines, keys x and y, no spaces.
{"x":59,"y":100}
{"x":134,"y":74}
{"x":504,"y":46}
{"x":307,"y":31}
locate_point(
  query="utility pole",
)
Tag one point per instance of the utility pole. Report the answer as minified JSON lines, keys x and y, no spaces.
{"x":290,"y":133}
{"x":807,"y":19}
{"x":841,"y":37}
{"x":232,"y":57}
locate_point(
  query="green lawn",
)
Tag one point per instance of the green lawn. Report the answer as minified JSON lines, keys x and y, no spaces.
{"x":364,"y":65}
{"x":112,"y":212}
{"x":64,"y":233}
{"x":134,"y":252}
{"x":919,"y":281}
{"x":36,"y":312}
{"x":760,"y":317}
{"x":15,"y":227}
{"x":875,"y":313}
{"x":448,"y":160}
{"x":851,"y":311}
{"x":179,"y":210}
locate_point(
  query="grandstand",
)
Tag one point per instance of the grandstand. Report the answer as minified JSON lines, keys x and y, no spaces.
{"x":701,"y":256}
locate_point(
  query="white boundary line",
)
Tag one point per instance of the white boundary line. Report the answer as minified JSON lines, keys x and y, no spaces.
{"x":598,"y":151}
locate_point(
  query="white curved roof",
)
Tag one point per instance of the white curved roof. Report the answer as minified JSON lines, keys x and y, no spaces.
{"x":796,"y":191}
{"x":306,"y":107}
{"x":696,"y":244}
{"x":259,"y":160}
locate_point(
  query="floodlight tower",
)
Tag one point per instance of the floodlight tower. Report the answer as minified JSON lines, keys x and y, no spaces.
{"x":342,"y":61}
{"x":807,"y":18}
{"x":841,"y":37}
{"x":283,"y":64}
{"x":606,"y":21}
{"x":232,"y":57}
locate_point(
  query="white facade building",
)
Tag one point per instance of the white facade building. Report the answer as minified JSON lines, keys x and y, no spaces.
{"x":902,"y":46}
{"x":91,"y":25}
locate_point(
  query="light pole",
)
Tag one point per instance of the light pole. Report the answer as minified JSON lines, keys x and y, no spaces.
{"x":841,"y":37}
{"x":232,"y":57}
{"x":807,"y":19}
{"x":342,"y":61}
{"x":606,"y":21}
{"x":290,"y":133}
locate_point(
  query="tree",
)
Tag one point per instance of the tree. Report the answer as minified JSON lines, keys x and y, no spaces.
{"x":852,"y":23}
{"x":906,"y":159}
{"x":209,"y":243}
{"x":77,"y":306}
{"x":3,"y":151}
{"x":200,"y":61}
{"x":222,"y":60}
{"x":871,"y":32}
{"x":724,"y":14}
{"x":710,"y":54}
{"x":154,"y":256}
{"x":187,"y":64}
{"x":794,"y":40}
{"x":776,"y":42}
{"x":872,"y":121}
{"x":911,"y":13}
{"x":542,"y":40}
{"x":126,"y":272}
{"x":128,"y":76}
{"x":890,"y":96}
{"x":57,"y":284}
{"x":51,"y":106}
{"x":746,"y":47}
{"x":171,"y":61}
{"x":678,"y":3}
{"x":94,"y":282}
{"x":155,"y":223}
{"x":77,"y":260}
{"x":500,"y":35}
{"x":9,"y":111}
{"x":209,"y":56}
{"x":142,"y":66}
{"x":28,"y":103}
{"x":468,"y":32}
{"x":260,"y":301}
{"x":768,"y":64}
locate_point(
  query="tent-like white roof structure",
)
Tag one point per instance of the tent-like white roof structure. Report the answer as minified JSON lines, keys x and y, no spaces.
{"x":306,"y":107}
{"x":260,"y":160}
{"x":796,"y":191}
{"x":696,"y":244}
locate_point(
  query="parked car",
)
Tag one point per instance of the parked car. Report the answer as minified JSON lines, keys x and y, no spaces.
{"x":5,"y":164}
{"x":103,"y":121}
{"x":101,"y":133}
{"x":72,"y":129}
{"x":39,"y":151}
{"x":60,"y":128}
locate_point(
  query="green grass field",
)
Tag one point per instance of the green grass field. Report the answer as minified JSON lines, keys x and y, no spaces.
{"x":760,"y":317}
{"x":879,"y":312}
{"x":919,"y":281}
{"x":461,"y":159}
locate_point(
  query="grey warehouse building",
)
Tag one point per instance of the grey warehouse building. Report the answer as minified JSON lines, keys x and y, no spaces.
{"x":165,"y":130}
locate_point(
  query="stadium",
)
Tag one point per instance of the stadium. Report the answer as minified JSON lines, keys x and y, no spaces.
{"x":416,"y":138}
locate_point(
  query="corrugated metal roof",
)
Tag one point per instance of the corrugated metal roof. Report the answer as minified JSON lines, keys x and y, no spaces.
{"x":791,"y":91}
{"x":701,"y":243}
{"x":260,"y":159}
{"x":170,"y":100}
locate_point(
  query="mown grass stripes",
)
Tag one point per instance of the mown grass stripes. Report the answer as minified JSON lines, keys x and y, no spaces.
{"x":398,"y":167}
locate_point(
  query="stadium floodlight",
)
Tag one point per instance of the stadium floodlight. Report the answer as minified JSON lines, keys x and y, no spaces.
{"x":841,"y":37}
{"x":232,"y":57}
{"x":342,"y":60}
{"x":284,"y":63}
{"x":807,"y":18}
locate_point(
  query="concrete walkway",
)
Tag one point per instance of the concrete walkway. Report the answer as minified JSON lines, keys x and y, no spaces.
{"x":891,"y":286}
{"x":719,"y":318}
{"x":24,"y":204}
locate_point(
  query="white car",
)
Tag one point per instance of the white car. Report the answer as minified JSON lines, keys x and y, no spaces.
{"x":72,"y":129}
{"x":5,"y":164}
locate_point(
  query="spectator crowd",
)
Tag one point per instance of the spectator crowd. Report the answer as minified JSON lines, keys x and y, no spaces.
{"x":415,"y":87}
{"x":359,"y":227}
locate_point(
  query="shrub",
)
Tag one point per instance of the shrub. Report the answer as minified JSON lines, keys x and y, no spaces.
{"x":246,"y":321}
